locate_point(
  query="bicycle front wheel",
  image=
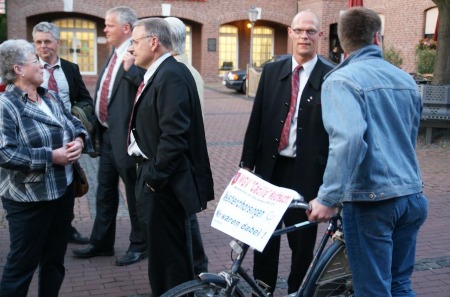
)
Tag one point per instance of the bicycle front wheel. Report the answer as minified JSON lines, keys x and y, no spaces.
{"x":200,"y":288}
{"x":332,"y":275}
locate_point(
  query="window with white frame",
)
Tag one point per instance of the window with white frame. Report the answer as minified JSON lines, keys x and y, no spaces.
{"x":263,"y":39}
{"x":78,"y":43}
{"x":431,"y":17}
{"x":228,"y":48}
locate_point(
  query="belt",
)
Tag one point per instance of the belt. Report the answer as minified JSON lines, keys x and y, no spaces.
{"x":140,"y":160}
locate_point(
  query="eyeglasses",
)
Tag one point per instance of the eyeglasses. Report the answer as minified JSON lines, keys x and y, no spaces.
{"x":133,"y":42}
{"x":309,"y":32}
{"x":32,"y":62}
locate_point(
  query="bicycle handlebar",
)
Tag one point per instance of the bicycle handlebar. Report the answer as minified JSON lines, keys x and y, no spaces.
{"x":299,"y":202}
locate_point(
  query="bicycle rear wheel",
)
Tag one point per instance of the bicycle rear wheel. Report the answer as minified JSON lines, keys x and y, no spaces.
{"x":200,"y":288}
{"x":332,"y":275}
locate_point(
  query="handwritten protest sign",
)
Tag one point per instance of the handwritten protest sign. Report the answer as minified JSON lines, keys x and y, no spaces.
{"x":251,"y":208}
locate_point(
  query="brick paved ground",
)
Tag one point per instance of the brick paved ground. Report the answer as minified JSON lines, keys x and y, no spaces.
{"x":226,"y":116}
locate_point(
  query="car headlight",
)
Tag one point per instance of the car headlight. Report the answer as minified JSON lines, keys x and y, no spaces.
{"x":232,"y":76}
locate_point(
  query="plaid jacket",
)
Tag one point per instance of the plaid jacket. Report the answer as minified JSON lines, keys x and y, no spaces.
{"x":27,"y":138}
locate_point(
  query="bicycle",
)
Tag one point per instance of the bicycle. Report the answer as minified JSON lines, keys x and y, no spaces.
{"x":329,"y":273}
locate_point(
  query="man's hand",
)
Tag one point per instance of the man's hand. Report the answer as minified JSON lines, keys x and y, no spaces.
{"x":128,"y":61}
{"x":319,"y":212}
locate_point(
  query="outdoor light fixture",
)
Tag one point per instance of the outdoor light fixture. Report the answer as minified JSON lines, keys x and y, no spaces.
{"x":252,"y":15}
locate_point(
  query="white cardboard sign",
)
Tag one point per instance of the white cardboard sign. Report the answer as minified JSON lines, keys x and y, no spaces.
{"x":251,"y":208}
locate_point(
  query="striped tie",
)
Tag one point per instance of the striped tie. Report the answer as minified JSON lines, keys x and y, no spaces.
{"x":105,"y":88}
{"x":52,"y":85}
{"x":295,"y":84}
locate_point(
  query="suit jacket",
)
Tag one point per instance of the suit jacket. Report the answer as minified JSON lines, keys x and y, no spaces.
{"x":77,"y":88}
{"x":120,"y":106}
{"x":168,"y":127}
{"x":269,"y":112}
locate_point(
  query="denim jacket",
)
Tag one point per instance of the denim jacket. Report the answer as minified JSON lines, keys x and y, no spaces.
{"x":371,"y":111}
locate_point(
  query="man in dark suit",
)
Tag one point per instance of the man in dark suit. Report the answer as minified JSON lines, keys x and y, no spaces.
{"x":286,"y":143}
{"x":63,"y":77}
{"x":115,"y":91}
{"x":168,"y":141}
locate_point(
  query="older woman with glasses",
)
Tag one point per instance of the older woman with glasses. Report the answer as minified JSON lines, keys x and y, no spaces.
{"x":39,"y":142}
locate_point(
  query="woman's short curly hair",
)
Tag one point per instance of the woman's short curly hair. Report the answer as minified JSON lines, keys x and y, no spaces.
{"x":13,"y":52}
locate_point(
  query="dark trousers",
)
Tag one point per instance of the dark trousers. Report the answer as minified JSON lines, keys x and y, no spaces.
{"x":107,"y":200}
{"x":170,"y":258}
{"x":38,"y":238}
{"x":301,"y":242}
{"x":198,"y":251}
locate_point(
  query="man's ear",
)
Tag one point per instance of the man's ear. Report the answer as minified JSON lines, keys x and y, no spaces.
{"x":377,"y":39}
{"x":127,"y":29}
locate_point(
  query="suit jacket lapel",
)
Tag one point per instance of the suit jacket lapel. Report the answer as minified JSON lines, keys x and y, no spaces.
{"x":119,"y":75}
{"x":32,"y":111}
{"x":97,"y":87}
{"x":66,"y":68}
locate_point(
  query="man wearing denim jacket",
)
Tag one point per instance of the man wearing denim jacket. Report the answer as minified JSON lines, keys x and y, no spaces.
{"x":371,"y":111}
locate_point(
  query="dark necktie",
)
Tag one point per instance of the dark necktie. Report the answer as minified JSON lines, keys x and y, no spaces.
{"x":104,"y":93}
{"x":51,"y":85}
{"x":295,"y":84}
{"x":138,"y":93}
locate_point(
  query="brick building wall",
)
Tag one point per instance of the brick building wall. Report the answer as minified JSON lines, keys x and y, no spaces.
{"x":404,"y":23}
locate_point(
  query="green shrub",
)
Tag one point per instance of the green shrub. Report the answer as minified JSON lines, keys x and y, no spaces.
{"x":392,"y":56}
{"x":425,"y":60}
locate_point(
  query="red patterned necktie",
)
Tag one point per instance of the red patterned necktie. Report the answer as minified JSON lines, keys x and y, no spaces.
{"x":52,"y":85}
{"x":105,"y":88}
{"x":138,"y":93}
{"x":295,"y":84}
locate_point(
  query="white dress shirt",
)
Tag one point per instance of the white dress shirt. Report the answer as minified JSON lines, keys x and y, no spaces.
{"x":305,"y":72}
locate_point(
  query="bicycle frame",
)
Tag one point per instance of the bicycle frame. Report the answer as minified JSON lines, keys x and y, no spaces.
{"x":231,"y":278}
{"x":333,"y":226}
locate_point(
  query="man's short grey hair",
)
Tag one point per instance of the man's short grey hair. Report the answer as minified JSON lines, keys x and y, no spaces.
{"x":124,"y":14}
{"x":13,"y":52}
{"x":157,"y":27}
{"x":178,"y":35}
{"x":46,"y":27}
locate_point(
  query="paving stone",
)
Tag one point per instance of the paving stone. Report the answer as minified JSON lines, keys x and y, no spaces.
{"x":226,"y":116}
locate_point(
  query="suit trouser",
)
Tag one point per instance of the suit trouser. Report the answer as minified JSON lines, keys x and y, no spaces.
{"x":198,"y":252}
{"x":107,"y":200}
{"x":169,"y":240}
{"x":38,"y":238}
{"x":301,"y":242}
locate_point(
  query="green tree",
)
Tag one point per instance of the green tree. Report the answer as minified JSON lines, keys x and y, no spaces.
{"x":441,"y":74}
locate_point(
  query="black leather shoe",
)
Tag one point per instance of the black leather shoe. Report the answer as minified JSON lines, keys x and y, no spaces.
{"x":77,"y":238}
{"x":91,"y":251}
{"x":131,"y":258}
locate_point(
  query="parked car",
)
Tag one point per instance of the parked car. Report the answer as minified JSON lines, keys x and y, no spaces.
{"x":236,"y":80}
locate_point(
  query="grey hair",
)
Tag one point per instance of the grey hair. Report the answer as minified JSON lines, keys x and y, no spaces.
{"x":13,"y":52}
{"x":46,"y":27}
{"x":178,"y":35}
{"x":124,"y":14}
{"x":159,"y":28}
